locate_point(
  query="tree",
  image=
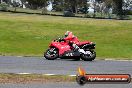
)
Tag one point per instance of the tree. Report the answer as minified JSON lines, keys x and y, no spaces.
{"x":4,"y":1}
{"x":73,"y":5}
{"x":23,"y":2}
{"x":127,"y":7}
{"x":3,"y":6}
{"x":118,"y":4}
{"x":15,"y":4}
{"x":34,"y":4}
{"x":58,"y":5}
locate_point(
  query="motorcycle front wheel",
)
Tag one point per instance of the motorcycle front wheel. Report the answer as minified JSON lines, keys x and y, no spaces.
{"x":51,"y":54}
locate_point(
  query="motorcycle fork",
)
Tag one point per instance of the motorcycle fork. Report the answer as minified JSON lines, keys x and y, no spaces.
{"x":51,"y":50}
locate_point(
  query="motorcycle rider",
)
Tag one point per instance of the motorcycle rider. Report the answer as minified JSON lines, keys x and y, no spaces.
{"x":71,"y":38}
{"x":73,"y":41}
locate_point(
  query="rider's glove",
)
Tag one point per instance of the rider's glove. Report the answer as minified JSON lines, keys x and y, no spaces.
{"x":61,"y":39}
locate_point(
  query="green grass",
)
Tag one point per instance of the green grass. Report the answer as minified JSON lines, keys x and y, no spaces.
{"x":30,"y":35}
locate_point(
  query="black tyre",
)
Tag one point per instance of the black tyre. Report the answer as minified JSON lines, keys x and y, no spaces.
{"x":89,"y":57}
{"x":51,"y":54}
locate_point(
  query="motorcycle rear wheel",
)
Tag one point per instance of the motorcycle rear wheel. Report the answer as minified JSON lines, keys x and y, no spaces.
{"x":51,"y":54}
{"x":86,"y":57}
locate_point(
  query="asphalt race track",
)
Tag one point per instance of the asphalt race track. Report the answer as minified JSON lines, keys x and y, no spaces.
{"x":65,"y":85}
{"x":40,"y":65}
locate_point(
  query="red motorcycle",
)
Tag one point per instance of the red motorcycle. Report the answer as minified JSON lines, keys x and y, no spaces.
{"x":60,"y":48}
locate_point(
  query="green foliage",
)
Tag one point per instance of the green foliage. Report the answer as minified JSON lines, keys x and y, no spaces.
{"x":74,"y":4}
{"x":3,"y":6}
{"x":34,"y":4}
{"x":58,"y":8}
{"x":108,"y":3}
{"x":68,"y":14}
{"x":44,"y":11}
{"x":58,"y":5}
{"x":118,"y":7}
{"x":129,"y":12}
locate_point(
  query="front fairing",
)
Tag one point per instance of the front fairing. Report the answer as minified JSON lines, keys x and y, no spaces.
{"x":61,"y":46}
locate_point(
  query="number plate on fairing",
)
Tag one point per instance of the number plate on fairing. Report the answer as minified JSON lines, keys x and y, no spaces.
{"x":71,"y":54}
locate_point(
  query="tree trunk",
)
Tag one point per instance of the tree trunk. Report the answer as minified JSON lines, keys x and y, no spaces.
{"x":119,"y":11}
{"x":1,"y":1}
{"x":94,"y":15}
{"x":76,"y":9}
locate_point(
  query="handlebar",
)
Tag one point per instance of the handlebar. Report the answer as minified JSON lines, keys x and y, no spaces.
{"x":59,"y":40}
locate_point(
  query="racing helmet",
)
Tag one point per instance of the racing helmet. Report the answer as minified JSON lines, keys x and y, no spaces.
{"x":67,"y":33}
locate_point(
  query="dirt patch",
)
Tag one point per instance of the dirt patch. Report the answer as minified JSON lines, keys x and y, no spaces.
{"x":34,"y":78}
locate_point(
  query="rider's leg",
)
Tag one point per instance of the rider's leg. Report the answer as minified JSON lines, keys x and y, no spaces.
{"x":77,"y":48}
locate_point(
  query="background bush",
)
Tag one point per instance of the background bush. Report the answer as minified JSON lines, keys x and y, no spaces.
{"x":3,"y":6}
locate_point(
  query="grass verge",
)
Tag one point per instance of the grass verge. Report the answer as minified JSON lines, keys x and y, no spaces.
{"x":33,"y":78}
{"x":30,"y":35}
